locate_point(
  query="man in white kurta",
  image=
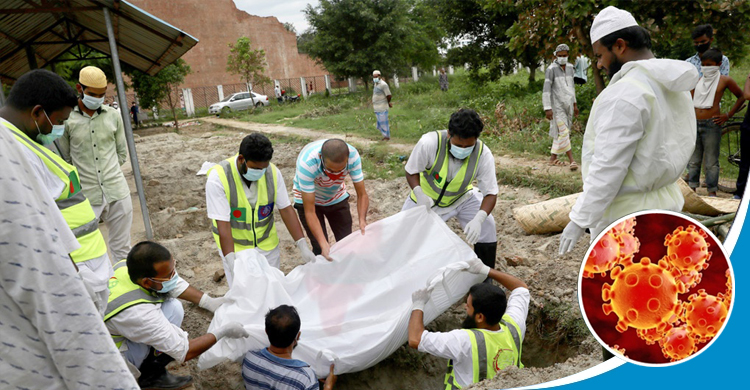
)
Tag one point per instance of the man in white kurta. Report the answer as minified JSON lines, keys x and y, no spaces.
{"x":640,"y":133}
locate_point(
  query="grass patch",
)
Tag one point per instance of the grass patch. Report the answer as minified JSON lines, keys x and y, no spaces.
{"x":554,"y":185}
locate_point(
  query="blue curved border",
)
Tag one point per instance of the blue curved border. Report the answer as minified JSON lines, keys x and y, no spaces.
{"x":717,"y":367}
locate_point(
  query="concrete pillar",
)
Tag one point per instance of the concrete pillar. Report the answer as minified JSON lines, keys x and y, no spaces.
{"x":249,"y":86}
{"x":220,"y":89}
{"x":303,"y":84}
{"x":414,"y":73}
{"x":352,"y":84}
{"x":466,"y":66}
{"x":450,"y":69}
{"x":187,"y":95}
{"x":395,"y":81}
{"x":328,"y":82}
{"x":434,"y":71}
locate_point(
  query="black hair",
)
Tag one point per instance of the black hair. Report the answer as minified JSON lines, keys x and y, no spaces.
{"x":282,"y":326}
{"x":489,"y":300}
{"x":142,"y":258}
{"x":465,"y":123}
{"x":637,"y":38}
{"x":44,"y":88}
{"x":256,"y":147}
{"x":335,"y":150}
{"x":713,"y":55}
{"x":703,"y":29}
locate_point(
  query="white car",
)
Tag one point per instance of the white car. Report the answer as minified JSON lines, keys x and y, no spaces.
{"x":238,"y":101}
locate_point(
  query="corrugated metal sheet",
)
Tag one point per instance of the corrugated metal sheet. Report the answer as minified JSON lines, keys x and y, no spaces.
{"x":145,"y":42}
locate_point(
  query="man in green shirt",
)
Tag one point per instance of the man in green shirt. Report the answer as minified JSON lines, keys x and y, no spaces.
{"x":94,"y":141}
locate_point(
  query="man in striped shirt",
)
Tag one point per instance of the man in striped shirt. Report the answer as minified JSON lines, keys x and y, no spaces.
{"x":273,"y":367}
{"x":319,"y":191}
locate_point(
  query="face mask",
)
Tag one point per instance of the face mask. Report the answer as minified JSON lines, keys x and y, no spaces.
{"x":91,"y":102}
{"x":46,"y":139}
{"x":702,"y":47}
{"x":710,"y":71}
{"x":562,"y":60}
{"x":461,"y":153}
{"x":375,"y":80}
{"x":169,"y":285}
{"x":253,"y":174}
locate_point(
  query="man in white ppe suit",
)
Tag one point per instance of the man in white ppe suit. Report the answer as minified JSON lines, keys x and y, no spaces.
{"x":641,"y":131}
{"x":559,"y":101}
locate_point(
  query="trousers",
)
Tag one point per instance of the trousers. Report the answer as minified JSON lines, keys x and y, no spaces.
{"x":137,"y":352}
{"x":118,"y":217}
{"x":339,"y":218}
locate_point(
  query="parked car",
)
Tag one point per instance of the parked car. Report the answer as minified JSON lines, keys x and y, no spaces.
{"x":238,"y":101}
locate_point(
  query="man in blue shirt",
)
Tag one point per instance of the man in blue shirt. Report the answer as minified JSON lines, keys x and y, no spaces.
{"x":703,"y":37}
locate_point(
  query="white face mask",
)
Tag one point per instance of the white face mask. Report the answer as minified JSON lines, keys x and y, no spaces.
{"x":91,"y":102}
{"x":710,"y":71}
{"x":375,"y":80}
{"x":562,"y":60}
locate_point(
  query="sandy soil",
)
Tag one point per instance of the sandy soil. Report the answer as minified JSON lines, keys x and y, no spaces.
{"x":176,"y":200}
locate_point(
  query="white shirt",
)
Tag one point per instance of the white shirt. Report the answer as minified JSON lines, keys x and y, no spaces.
{"x":146,"y":324}
{"x":52,"y":334}
{"x":422,"y":158}
{"x":456,"y":344}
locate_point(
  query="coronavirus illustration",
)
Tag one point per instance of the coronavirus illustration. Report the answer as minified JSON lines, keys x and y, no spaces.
{"x":660,"y":311}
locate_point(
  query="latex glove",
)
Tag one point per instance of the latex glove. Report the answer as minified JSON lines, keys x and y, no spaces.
{"x":422,"y":199}
{"x":211,"y":304}
{"x":477,"y":267}
{"x":419,"y":299}
{"x":570,"y":235}
{"x":304,"y":251}
{"x":474,"y":228}
{"x":230,"y":262}
{"x":233,"y":330}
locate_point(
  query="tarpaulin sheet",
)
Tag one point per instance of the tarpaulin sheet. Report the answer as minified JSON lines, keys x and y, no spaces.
{"x":354,"y":310}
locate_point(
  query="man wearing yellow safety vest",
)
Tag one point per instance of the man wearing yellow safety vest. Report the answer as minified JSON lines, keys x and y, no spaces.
{"x":492,"y":334}
{"x":144,"y":319}
{"x":241,"y":195}
{"x":441,"y":170}
{"x":37,"y":107}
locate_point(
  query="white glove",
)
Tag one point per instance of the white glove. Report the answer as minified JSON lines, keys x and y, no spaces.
{"x":419,"y":298}
{"x":306,"y":253}
{"x":233,"y":330}
{"x":477,"y":267}
{"x":474,"y":228}
{"x":211,"y":304}
{"x":422,"y":199}
{"x":570,"y":235}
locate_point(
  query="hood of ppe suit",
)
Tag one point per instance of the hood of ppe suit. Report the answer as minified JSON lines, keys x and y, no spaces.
{"x":673,"y":75}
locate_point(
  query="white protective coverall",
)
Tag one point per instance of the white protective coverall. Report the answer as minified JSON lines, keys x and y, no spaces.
{"x":559,"y":95}
{"x":638,"y":140}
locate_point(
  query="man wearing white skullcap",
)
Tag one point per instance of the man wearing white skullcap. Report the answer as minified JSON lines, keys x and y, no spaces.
{"x":559,"y":100}
{"x":381,"y":102}
{"x":641,"y":131}
{"x":94,"y":141}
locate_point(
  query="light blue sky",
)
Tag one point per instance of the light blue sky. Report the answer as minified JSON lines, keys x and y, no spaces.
{"x":285,"y":10}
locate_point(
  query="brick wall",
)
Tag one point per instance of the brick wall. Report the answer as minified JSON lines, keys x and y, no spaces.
{"x":217,"y":23}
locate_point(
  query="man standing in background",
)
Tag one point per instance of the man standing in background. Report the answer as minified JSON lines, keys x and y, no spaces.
{"x":703,"y":37}
{"x":381,"y":101}
{"x":94,"y":141}
{"x":559,"y":100}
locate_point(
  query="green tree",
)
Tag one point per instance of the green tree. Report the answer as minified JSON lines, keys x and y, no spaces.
{"x":249,"y":64}
{"x":351,"y":38}
{"x":290,"y":27}
{"x":163,"y":87}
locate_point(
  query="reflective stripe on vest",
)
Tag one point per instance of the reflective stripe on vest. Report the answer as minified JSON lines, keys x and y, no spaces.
{"x":123,"y":293}
{"x":74,"y":206}
{"x":434,"y":181}
{"x":483,"y":363}
{"x":260,"y":231}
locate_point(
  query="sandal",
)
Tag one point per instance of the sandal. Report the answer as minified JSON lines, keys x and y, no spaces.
{"x":558,"y":163}
{"x":573,"y":166}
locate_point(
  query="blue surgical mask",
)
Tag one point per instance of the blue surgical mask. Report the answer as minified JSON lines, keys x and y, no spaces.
{"x":375,"y":80}
{"x":46,"y":139}
{"x":91,"y":102}
{"x":461,"y":153}
{"x":169,"y":285}
{"x":254,"y":174}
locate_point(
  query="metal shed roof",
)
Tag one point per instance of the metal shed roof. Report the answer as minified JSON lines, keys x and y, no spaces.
{"x":34,"y":33}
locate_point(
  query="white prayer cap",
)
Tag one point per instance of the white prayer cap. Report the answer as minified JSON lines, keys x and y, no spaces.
{"x":562,"y":47}
{"x":609,"y":20}
{"x":376,"y":72}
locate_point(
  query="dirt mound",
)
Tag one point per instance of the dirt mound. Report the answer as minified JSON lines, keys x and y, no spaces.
{"x":556,"y":344}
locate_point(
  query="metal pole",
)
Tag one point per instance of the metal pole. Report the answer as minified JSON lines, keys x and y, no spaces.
{"x":126,"y":122}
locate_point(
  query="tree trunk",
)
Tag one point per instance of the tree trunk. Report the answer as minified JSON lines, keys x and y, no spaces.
{"x":532,"y":74}
{"x":589,"y":51}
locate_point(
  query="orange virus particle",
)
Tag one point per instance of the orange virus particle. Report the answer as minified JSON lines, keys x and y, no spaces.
{"x":690,"y":278}
{"x":677,"y":344}
{"x":643,"y":295}
{"x":687,"y":249}
{"x":652,"y":335}
{"x":728,"y":293}
{"x":629,"y":244}
{"x":603,"y":256}
{"x":704,"y":314}
{"x":626,"y":226}
{"x":620,"y":351}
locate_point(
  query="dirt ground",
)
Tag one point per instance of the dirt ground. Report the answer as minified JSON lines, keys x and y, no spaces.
{"x":557,"y":343}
